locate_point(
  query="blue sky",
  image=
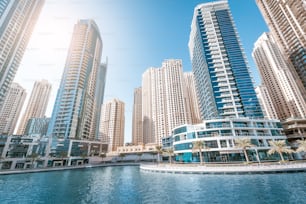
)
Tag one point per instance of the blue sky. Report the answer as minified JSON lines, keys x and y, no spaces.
{"x":136,"y":34}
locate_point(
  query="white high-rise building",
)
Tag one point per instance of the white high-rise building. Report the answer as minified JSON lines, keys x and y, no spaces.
{"x":17,"y":21}
{"x":163,"y":100}
{"x":275,"y":73}
{"x":265,"y":102}
{"x":37,"y":104}
{"x":137,"y":130}
{"x":79,"y":96}
{"x":11,"y":108}
{"x":286,"y":21}
{"x":112,"y":124}
{"x":192,"y":99}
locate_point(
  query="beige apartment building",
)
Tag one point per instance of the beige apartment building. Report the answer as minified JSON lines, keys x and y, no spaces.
{"x":37,"y":104}
{"x":276,"y":75}
{"x":11,"y":108}
{"x":164,"y":104}
{"x":265,"y":102}
{"x":286,"y":21}
{"x":137,"y":131}
{"x":112,"y":124}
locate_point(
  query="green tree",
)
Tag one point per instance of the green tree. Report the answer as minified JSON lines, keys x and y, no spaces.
{"x":34,"y":157}
{"x":301,"y":146}
{"x":199,"y":146}
{"x":102,"y":155}
{"x":159,"y":151}
{"x":280,"y":147}
{"x":63,"y":155}
{"x":243,"y":144}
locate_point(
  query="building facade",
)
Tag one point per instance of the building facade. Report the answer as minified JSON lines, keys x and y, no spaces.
{"x":219,"y":138}
{"x":37,"y":104}
{"x":219,"y":65}
{"x":192,"y":99}
{"x":163,"y":100}
{"x":37,"y":127}
{"x":265,"y":102}
{"x":11,"y":108}
{"x":17,"y":21}
{"x":112,"y":124}
{"x":276,"y":75}
{"x":79,"y":94}
{"x":137,"y":131}
{"x":286,"y":21}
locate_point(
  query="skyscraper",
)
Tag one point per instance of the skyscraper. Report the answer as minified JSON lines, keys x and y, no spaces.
{"x":11,"y":108}
{"x":137,"y":130}
{"x":37,"y":104}
{"x":275,"y":73}
{"x":286,"y":21}
{"x":222,"y":77}
{"x":191,"y":98}
{"x":266,"y":102}
{"x":112,"y":124}
{"x":17,"y":20}
{"x":79,"y":94}
{"x":163,"y":100}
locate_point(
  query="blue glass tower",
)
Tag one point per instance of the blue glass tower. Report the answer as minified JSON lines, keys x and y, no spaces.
{"x":222,"y":77}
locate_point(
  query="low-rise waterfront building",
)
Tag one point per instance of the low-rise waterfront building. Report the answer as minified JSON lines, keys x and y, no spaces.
{"x":219,"y":137}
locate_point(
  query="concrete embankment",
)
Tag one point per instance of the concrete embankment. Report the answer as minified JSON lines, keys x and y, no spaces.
{"x":37,"y":170}
{"x":223,"y":169}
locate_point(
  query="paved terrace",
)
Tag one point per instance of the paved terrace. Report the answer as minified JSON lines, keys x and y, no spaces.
{"x":226,"y":169}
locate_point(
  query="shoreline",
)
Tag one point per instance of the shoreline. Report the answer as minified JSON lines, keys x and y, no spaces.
{"x":223,"y":169}
{"x":87,"y":166}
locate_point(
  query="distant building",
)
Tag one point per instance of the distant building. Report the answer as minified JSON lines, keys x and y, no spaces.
{"x":286,"y":21}
{"x":112,"y":124}
{"x":37,"y":127}
{"x":11,"y":108}
{"x":137,"y":131}
{"x":37,"y":104}
{"x":265,"y":102}
{"x":163,"y":100}
{"x":17,"y":21}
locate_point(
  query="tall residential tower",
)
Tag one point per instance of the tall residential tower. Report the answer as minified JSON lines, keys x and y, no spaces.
{"x":137,"y":130}
{"x":286,"y":21}
{"x":222,"y":76}
{"x":17,"y":20}
{"x":163,"y":100}
{"x":79,"y":95}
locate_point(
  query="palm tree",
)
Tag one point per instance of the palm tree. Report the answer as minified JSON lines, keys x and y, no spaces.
{"x":244,"y":143}
{"x":170,"y":153}
{"x":302,"y":146}
{"x":102,"y":155}
{"x":199,"y":146}
{"x":280,"y":147}
{"x":63,"y":155}
{"x":159,"y":151}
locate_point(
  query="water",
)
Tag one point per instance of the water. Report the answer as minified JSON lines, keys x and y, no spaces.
{"x":130,"y":185}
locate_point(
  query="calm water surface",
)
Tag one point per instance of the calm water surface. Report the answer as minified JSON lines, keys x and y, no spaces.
{"x":130,"y":185}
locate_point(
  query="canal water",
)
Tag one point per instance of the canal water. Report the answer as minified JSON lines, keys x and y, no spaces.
{"x":128,"y":184}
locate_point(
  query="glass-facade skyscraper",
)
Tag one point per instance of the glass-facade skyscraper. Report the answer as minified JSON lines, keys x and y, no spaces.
{"x":78,"y":100}
{"x":224,"y":86}
{"x":17,"y":21}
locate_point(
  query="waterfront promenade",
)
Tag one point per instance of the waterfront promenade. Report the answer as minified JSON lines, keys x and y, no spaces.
{"x":184,"y":168}
{"x":226,"y":168}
